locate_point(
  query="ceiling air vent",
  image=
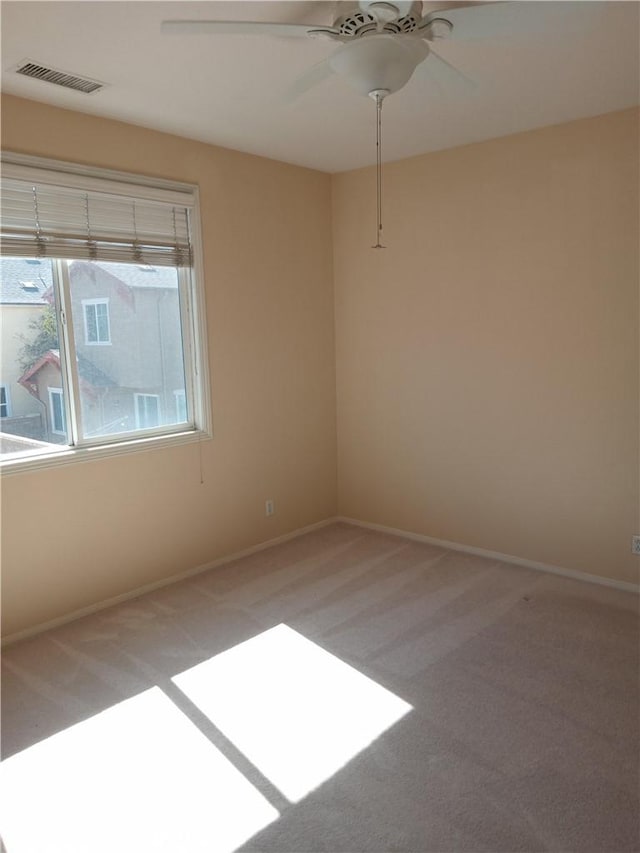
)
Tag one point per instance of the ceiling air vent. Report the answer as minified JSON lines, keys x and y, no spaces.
{"x":60,"y":78}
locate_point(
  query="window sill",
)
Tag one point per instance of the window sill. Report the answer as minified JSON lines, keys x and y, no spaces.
{"x":73,"y":455}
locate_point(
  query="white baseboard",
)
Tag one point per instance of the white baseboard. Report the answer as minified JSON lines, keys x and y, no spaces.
{"x":495,"y":555}
{"x":150,"y":587}
{"x":394,"y":531}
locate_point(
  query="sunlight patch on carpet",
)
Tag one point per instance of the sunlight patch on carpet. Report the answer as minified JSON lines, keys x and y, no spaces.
{"x":297,"y":712}
{"x":139,"y":776}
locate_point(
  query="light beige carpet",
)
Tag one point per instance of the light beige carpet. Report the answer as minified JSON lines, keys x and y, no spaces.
{"x":345,"y":691}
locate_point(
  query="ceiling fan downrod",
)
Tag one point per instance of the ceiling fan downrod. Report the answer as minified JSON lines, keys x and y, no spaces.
{"x":378,"y":96}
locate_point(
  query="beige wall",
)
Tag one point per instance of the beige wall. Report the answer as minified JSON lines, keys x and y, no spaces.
{"x":488,"y":358}
{"x":109,"y":526}
{"x":487,"y":362}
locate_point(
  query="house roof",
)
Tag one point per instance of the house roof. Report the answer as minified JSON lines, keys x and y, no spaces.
{"x":87,"y":371}
{"x":93,"y":375}
{"x":141,"y":276}
{"x":24,"y":281}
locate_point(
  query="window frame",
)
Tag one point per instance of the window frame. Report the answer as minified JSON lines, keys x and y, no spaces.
{"x":7,"y":400}
{"x":180,"y":404}
{"x":137,"y":397}
{"x":193,"y":322}
{"x":57,"y":392}
{"x":93,"y":303}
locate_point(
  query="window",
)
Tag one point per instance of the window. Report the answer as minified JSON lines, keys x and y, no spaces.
{"x":181,"y":405}
{"x":56,"y":410}
{"x":113,"y":343}
{"x":5,"y":403}
{"x":147,"y":410}
{"x":96,"y":321}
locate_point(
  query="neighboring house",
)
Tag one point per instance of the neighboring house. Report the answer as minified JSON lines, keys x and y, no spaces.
{"x":25,"y":288}
{"x":128,"y":341}
{"x":43,"y":380}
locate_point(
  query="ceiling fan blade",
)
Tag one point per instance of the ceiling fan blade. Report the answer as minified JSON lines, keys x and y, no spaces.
{"x":517,"y":19}
{"x":310,"y":78}
{"x":235,"y":28}
{"x":453,"y":73}
{"x":448,"y":80}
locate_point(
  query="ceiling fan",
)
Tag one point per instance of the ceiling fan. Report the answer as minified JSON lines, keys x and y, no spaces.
{"x":380,"y":45}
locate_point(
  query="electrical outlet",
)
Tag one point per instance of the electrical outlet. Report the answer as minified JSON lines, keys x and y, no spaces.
{"x":635,"y":544}
{"x":269,"y":508}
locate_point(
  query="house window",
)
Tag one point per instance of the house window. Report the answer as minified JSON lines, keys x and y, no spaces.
{"x":147,"y":410}
{"x":5,"y":402}
{"x":96,"y":321}
{"x":56,"y":411}
{"x":181,"y":405}
{"x":116,"y":253}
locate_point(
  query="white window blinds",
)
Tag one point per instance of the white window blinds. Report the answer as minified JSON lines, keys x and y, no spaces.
{"x":52,"y":214}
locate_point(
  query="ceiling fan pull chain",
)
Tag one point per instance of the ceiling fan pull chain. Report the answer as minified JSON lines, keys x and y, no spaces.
{"x":378,"y":94}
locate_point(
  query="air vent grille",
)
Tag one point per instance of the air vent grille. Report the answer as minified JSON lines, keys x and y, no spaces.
{"x":60,"y":78}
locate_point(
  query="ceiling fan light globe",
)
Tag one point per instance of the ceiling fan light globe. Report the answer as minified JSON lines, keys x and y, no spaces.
{"x":378,"y":61}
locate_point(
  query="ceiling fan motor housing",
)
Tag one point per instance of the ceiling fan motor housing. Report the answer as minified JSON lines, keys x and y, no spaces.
{"x":401,"y":16}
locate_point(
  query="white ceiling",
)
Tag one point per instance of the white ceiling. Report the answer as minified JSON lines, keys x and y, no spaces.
{"x":568,"y":60}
